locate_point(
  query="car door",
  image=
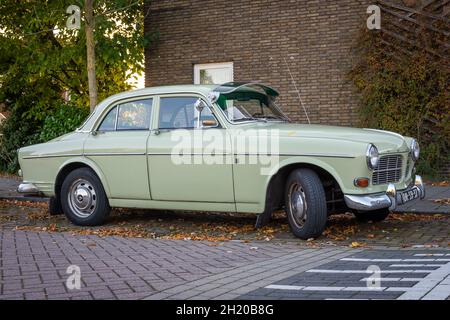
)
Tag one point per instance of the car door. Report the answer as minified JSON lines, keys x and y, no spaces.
{"x":119,"y":148}
{"x":182,"y":164}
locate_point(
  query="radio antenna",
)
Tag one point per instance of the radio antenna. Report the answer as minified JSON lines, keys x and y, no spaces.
{"x":298,"y":92}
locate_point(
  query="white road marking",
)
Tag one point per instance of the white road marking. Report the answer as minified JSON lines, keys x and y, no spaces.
{"x":365,"y":271}
{"x":395,"y":279}
{"x":431,"y":254}
{"x":403,"y":289}
{"x":392,"y":260}
{"x":364,"y":288}
{"x":381,"y":279}
{"x":412,"y":279}
{"x":415,"y":265}
{"x":435,"y":285}
{"x":284,"y":287}
{"x":323,"y":288}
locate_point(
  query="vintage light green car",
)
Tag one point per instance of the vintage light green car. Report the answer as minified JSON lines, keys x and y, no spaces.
{"x":225,"y":148}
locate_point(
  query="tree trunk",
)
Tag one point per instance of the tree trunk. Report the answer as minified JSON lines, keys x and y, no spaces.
{"x":90,"y":45}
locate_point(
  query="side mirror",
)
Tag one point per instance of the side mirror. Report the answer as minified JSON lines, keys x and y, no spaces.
{"x":199,"y":106}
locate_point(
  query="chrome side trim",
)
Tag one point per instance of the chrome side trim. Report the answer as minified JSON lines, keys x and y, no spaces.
{"x":87,"y":154}
{"x":52,"y":156}
{"x":100,"y":154}
{"x":28,"y":188}
{"x":168,"y":154}
{"x":256,"y":154}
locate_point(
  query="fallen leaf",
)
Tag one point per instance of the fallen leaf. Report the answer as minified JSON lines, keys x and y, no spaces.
{"x":445,"y":201}
{"x":356,"y":244}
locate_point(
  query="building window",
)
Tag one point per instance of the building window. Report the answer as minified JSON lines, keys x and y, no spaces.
{"x":213,"y":73}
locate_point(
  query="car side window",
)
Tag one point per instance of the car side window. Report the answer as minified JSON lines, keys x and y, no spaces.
{"x":133,"y":115}
{"x":109,"y":122}
{"x":180,"y":113}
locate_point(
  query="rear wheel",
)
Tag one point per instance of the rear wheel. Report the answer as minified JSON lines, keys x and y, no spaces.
{"x":374,"y":216}
{"x":306,"y":206}
{"x":83,"y":198}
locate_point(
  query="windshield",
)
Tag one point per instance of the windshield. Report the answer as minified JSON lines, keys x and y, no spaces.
{"x":244,"y":105}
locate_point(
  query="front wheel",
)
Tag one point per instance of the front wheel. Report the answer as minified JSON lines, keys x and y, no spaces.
{"x":306,"y":206}
{"x":83,"y":198}
{"x":374,"y":216}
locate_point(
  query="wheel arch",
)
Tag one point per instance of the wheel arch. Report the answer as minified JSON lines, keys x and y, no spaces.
{"x":76,"y":163}
{"x":276,"y":182}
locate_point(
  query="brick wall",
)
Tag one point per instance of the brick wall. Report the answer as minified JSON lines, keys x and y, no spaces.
{"x":315,"y":38}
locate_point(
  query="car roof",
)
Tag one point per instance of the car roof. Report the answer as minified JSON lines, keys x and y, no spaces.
{"x":203,"y":89}
{"x":200,"y":88}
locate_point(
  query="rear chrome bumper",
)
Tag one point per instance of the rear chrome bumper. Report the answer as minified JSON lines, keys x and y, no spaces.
{"x":27,"y":188}
{"x":389,"y":199}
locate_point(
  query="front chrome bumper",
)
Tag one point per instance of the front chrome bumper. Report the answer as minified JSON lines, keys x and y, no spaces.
{"x":27,"y":188}
{"x":390,"y":199}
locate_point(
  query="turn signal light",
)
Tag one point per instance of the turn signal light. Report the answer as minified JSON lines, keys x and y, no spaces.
{"x":361,"y":182}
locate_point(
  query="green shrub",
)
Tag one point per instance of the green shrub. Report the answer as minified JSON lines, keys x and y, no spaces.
{"x":15,"y":134}
{"x":64,"y":119}
{"x":21,"y":130}
{"x":408,"y":94}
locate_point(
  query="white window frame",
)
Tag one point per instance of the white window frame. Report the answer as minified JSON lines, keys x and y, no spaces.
{"x":206,"y":66}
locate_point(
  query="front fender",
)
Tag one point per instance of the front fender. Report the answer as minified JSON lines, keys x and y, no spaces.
{"x":299,"y":160}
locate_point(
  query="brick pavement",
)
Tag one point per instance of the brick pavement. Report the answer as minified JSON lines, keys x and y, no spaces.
{"x":33,"y":265}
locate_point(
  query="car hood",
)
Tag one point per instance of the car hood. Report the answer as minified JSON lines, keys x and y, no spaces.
{"x":385,"y":141}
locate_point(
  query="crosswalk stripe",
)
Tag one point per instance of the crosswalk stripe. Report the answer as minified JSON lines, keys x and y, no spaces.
{"x":388,"y":279}
{"x":365,"y":271}
{"x":393,"y":260}
{"x":323,"y":288}
{"x":415,"y":265}
{"x":431,"y":254}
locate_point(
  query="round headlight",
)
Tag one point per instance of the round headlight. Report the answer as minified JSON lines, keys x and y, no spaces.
{"x":415,"y":150}
{"x":372,"y":156}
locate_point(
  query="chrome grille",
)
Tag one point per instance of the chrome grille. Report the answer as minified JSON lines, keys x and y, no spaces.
{"x":389,"y":170}
{"x":407,"y":169}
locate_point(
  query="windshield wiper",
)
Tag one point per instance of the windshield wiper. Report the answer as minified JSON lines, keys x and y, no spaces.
{"x":244,"y":119}
{"x":269,"y":117}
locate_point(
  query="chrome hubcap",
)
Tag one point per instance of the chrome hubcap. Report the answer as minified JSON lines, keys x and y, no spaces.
{"x":297,"y":204}
{"x":82,"y":198}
